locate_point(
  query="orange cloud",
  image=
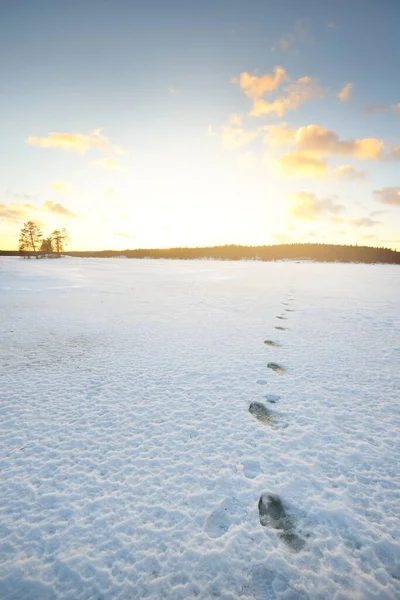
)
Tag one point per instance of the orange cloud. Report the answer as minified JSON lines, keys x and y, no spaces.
{"x":307,"y":207}
{"x":296,"y":94}
{"x":322,"y":141}
{"x":345,"y":93}
{"x":235,"y":137}
{"x":255,"y":87}
{"x":302,"y":165}
{"x":77,"y":142}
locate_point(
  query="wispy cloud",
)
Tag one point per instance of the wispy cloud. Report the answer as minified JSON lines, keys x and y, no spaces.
{"x":298,"y":35}
{"x":61,"y":187}
{"x":364,"y":222}
{"x":76,"y":142}
{"x":173,"y":90}
{"x":307,"y":207}
{"x":107,"y":163}
{"x":345,"y":93}
{"x":349,"y":173}
{"x":16,"y":212}
{"x":59,"y":209}
{"x":388,"y":195}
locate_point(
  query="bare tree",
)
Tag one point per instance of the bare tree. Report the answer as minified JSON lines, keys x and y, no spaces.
{"x":59,"y":238}
{"x":29,"y":238}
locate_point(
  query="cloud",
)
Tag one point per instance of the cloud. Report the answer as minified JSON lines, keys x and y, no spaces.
{"x":345,"y":93}
{"x":76,"y":142}
{"x":106,"y":163}
{"x":173,"y":90}
{"x":60,"y":186}
{"x":349,"y":173}
{"x":16,"y":212}
{"x":307,"y":207}
{"x":388,"y":195}
{"x":255,"y":87}
{"x":235,"y":120}
{"x":396,"y":107}
{"x":59,"y":209}
{"x":236,"y":137}
{"x":332,"y":25}
{"x":279,"y":135}
{"x":296,"y":94}
{"x":302,"y":165}
{"x":298,"y":34}
{"x":364,"y":222}
{"x":317,"y":139}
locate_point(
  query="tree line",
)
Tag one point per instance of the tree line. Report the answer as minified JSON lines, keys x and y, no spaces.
{"x":32,"y":242}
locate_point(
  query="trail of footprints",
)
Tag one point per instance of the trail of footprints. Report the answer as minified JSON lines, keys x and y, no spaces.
{"x":272,"y":511}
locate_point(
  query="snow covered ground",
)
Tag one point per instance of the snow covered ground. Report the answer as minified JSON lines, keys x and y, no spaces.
{"x":131,"y":465}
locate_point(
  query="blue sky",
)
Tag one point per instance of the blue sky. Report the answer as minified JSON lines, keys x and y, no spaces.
{"x":179,"y":153}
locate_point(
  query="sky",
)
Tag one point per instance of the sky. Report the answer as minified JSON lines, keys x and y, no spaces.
{"x":159,"y":123}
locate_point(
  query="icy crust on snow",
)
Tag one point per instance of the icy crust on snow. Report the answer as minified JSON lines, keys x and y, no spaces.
{"x":131,"y":465}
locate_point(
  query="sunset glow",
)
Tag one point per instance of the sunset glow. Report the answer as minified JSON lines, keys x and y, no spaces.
{"x":157,"y":125}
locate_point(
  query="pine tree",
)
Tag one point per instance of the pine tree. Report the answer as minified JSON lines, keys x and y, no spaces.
{"x":29,"y":237}
{"x":59,"y":238}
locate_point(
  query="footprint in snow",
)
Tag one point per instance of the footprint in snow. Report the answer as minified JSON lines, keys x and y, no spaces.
{"x":276,"y":368}
{"x":268,"y":584}
{"x":272,"y":344}
{"x":273,"y":514}
{"x":262,"y":413}
{"x":230,"y":512}
{"x":282,"y":318}
{"x":280,"y":328}
{"x":251,"y":468}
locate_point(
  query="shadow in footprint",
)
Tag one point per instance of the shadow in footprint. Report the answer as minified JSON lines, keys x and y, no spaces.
{"x":262,"y":413}
{"x":280,"y":328}
{"x":276,"y":368}
{"x":273,"y":514}
{"x":272,"y":344}
{"x":282,"y":318}
{"x":272,"y":399}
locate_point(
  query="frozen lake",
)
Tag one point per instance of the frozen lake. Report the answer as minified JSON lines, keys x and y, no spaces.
{"x":131,"y":465}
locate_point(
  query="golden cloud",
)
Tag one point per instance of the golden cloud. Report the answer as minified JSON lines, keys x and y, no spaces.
{"x":307,"y":207}
{"x":296,"y":94}
{"x":76,"y":142}
{"x":255,"y":87}
{"x":345,"y":93}
{"x":302,"y":165}
{"x":299,"y":33}
{"x":322,"y":141}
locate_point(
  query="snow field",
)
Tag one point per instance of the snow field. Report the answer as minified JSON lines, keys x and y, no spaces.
{"x":131,"y":465}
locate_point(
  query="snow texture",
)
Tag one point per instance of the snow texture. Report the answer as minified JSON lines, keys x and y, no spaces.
{"x":131,"y":465}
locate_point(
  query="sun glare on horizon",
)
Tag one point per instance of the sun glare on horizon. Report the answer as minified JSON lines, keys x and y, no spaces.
{"x":224,"y":140}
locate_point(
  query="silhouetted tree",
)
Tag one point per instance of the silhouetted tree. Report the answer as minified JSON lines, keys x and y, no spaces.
{"x":59,"y":238}
{"x":47,"y":246}
{"x":29,"y":237}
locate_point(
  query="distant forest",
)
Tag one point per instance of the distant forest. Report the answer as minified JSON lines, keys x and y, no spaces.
{"x":315,"y":252}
